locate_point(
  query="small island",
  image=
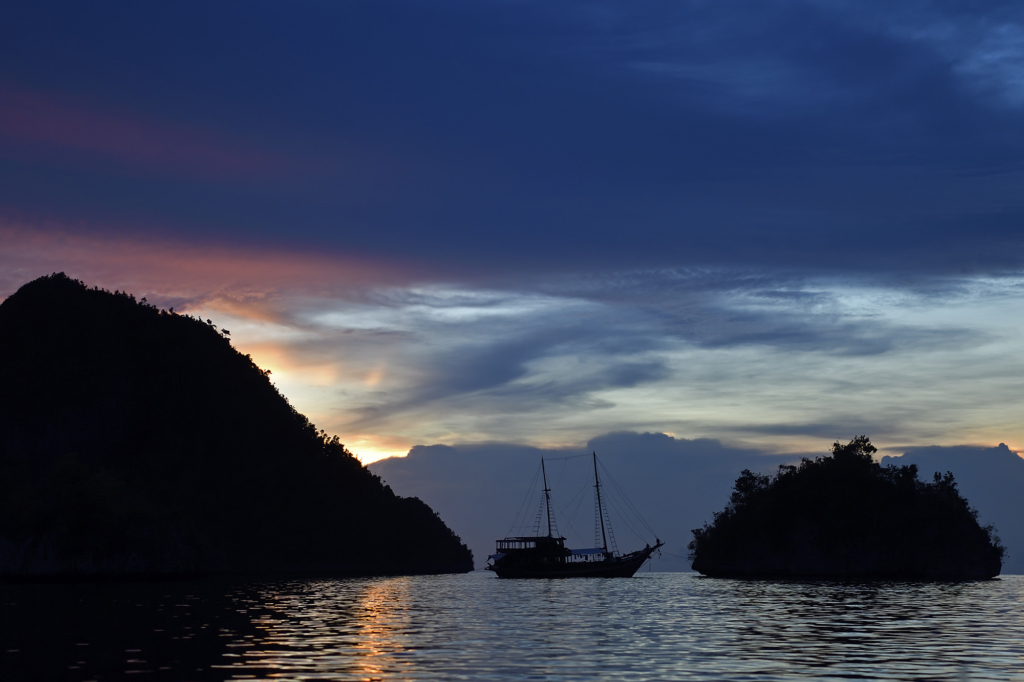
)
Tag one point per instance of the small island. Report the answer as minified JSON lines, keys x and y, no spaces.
{"x":846,"y":517}
{"x":136,"y":441}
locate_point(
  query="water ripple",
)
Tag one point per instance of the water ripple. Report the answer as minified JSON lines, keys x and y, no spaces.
{"x":656,"y":626}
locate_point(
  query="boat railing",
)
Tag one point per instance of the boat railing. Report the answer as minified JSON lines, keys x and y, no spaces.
{"x":528,"y":543}
{"x":585,"y":555}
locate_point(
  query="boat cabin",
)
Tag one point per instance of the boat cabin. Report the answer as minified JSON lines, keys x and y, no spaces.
{"x":550,"y":548}
{"x":541,"y":542}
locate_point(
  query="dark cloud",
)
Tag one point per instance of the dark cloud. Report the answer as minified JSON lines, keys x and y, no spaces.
{"x":511,"y":137}
{"x":991,"y":479}
{"x":834,"y":336}
{"x":721,"y":309}
{"x":676,"y":484}
{"x":832,"y":429}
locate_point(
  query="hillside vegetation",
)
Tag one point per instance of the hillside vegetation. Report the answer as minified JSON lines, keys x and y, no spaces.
{"x":136,"y":440}
{"x":844,"y":516}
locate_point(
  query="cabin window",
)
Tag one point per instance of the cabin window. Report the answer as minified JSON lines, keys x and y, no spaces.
{"x":516,"y":544}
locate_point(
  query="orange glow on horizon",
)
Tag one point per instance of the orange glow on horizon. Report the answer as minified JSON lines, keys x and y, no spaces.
{"x":373,"y":448}
{"x":283,"y":364}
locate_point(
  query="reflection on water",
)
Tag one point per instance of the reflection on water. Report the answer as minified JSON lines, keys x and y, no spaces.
{"x":656,"y":626}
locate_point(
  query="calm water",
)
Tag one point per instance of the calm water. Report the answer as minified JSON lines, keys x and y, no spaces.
{"x":657,"y":626}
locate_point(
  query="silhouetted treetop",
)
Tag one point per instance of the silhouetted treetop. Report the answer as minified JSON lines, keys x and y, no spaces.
{"x":134,"y":439}
{"x":844,"y":516}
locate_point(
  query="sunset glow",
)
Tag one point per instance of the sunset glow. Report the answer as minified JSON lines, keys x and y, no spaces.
{"x":387,"y":363}
{"x":652,"y":265}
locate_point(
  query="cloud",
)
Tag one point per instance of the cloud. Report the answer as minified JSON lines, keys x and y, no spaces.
{"x":983,"y":47}
{"x":822,"y":137}
{"x":509,"y":351}
{"x":803,"y":55}
{"x":388,"y":354}
{"x":478,"y":489}
{"x":676,"y":484}
{"x":799,"y":367}
{"x":990,"y":478}
{"x":175,"y":272}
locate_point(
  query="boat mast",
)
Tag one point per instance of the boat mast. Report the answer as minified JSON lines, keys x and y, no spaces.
{"x":600,"y":509}
{"x":547,"y":494}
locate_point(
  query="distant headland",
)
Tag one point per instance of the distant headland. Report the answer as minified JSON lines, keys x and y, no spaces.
{"x":846,"y":517}
{"x":138,"y":441}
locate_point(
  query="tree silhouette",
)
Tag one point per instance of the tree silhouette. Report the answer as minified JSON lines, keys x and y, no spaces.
{"x":846,"y":516}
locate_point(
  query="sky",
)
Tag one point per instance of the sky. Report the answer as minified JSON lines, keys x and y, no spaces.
{"x":774,"y":224}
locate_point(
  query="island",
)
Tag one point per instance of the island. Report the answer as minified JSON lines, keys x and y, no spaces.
{"x":136,"y":441}
{"x":846,"y":517}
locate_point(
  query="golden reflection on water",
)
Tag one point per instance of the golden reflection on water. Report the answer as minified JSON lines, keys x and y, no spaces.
{"x":321,"y":629}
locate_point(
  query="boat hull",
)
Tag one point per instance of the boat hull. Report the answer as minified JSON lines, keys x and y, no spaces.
{"x":619,"y":567}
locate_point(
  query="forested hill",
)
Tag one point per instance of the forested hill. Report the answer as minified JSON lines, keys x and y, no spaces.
{"x":846,"y":517}
{"x":136,"y":440}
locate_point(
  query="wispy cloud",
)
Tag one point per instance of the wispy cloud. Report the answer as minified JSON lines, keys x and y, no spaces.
{"x":796,"y":55}
{"x":744,"y":361}
{"x":388,"y":355}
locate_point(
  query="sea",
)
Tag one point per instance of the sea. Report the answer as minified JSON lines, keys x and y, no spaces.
{"x":655,"y":626}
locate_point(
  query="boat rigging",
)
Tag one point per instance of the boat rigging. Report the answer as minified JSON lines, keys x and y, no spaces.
{"x":546,"y":556}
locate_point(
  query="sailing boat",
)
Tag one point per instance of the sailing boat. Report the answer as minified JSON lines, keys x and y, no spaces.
{"x":546,"y":556}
